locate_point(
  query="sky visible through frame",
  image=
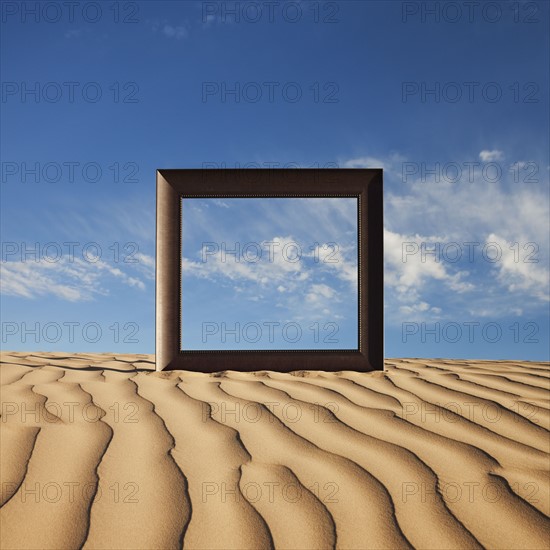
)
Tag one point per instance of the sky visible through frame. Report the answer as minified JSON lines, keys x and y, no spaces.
{"x":275,"y":273}
{"x":453,"y":106}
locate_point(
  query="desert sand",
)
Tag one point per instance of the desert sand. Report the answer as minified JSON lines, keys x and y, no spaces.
{"x":99,"y":451}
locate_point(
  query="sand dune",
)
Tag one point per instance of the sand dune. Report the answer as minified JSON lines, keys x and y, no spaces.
{"x":101,"y":452}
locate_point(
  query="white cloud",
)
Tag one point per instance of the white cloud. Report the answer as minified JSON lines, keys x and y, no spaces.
{"x":273,"y":267}
{"x":334,"y":258}
{"x":145,"y":264}
{"x":319,"y":291}
{"x":519,"y":269}
{"x":177,"y":32}
{"x":477,"y":211}
{"x":115,"y":271}
{"x":30,"y":279}
{"x":491,"y":156}
{"x":365,"y":162}
{"x":391,"y":164}
{"x":74,"y":281}
{"x":407,"y":269}
{"x":419,"y":308}
{"x":297,"y":286}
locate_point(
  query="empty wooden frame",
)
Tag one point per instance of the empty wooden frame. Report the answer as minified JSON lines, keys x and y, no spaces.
{"x":174,"y":185}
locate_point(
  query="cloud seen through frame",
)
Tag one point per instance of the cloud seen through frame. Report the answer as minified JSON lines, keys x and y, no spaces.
{"x":277,"y":273}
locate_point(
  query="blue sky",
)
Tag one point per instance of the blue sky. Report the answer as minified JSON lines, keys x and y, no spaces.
{"x":276,"y":274}
{"x":454,"y":107}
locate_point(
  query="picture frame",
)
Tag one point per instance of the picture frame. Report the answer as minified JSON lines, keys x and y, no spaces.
{"x":174,"y":185}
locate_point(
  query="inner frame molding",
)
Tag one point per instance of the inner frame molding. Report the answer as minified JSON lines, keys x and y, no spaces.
{"x":173,"y":185}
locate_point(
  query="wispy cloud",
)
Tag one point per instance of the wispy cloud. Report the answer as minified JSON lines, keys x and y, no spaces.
{"x":74,"y":281}
{"x":305,"y":285}
{"x":177,"y":32}
{"x":407,"y":277}
{"x":491,"y":156}
{"x":391,"y":164}
{"x":272,"y":270}
{"x":524,"y":274}
{"x":170,"y":30}
{"x":430,"y":210}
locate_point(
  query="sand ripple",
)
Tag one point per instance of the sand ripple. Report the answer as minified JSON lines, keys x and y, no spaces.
{"x":101,"y":452}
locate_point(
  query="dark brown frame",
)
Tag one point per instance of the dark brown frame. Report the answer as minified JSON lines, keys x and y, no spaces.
{"x":365,"y":184}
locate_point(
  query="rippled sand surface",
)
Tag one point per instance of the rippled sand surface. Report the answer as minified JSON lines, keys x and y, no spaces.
{"x":100,"y":451}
